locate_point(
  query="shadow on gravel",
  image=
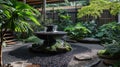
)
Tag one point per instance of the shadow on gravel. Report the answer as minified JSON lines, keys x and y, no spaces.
{"x":45,"y":60}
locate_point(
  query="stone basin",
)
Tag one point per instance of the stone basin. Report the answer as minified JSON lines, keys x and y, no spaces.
{"x":50,"y":35}
{"x":52,"y":42}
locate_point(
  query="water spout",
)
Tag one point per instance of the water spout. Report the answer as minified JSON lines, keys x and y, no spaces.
{"x":52,"y":28}
{"x":55,"y":28}
{"x":45,"y":29}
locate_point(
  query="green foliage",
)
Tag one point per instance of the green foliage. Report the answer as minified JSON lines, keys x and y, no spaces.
{"x":113,"y":48}
{"x":109,"y":32}
{"x":103,"y":52}
{"x":14,"y":15}
{"x":64,"y":19}
{"x":69,"y":3}
{"x":58,"y":47}
{"x":117,"y":64}
{"x":92,"y":26}
{"x":34,"y":40}
{"x":60,"y":44}
{"x":77,"y":32}
{"x":96,"y":7}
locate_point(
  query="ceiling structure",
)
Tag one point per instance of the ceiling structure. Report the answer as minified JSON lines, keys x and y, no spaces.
{"x":44,"y":2}
{"x":36,"y":2}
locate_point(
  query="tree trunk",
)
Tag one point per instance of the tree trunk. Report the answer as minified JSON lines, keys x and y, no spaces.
{"x":1,"y":55}
{"x":1,"y":34}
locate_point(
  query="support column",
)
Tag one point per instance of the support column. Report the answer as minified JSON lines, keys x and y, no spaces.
{"x":119,"y":17}
{"x":44,"y":11}
{"x":24,"y":1}
{"x":1,"y":41}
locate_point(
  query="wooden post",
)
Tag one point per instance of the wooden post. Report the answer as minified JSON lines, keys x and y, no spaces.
{"x":119,"y":17}
{"x":1,"y":46}
{"x":53,"y":14}
{"x":24,"y":1}
{"x":76,"y":13}
{"x":1,"y":55}
{"x":44,"y":10}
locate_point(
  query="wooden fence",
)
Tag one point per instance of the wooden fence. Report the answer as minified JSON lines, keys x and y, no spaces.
{"x":106,"y":17}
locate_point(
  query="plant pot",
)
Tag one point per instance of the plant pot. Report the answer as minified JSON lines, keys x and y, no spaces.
{"x":108,"y":59}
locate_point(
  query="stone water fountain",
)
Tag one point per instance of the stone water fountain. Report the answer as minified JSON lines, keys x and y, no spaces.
{"x":52,"y":41}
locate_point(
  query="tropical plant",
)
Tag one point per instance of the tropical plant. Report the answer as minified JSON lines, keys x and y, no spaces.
{"x":111,"y":53}
{"x":77,"y":32}
{"x":96,"y":7}
{"x":109,"y":32}
{"x":14,"y":15}
{"x":92,"y":26}
{"x":64,"y":19}
{"x":111,"y":49}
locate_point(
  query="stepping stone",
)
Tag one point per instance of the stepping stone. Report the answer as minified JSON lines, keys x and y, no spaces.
{"x":82,"y":57}
{"x":90,"y":40}
{"x":21,"y":64}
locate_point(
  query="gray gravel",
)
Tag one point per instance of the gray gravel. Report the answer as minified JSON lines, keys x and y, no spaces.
{"x":20,"y":52}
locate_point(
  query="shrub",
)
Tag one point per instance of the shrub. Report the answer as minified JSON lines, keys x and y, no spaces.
{"x":109,"y":32}
{"x":77,"y":32}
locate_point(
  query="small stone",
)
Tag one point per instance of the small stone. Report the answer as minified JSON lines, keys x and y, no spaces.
{"x":82,"y":57}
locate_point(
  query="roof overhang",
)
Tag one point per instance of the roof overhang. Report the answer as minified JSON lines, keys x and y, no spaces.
{"x":38,"y":2}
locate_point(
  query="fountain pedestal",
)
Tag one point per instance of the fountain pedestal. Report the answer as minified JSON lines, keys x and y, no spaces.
{"x":52,"y":42}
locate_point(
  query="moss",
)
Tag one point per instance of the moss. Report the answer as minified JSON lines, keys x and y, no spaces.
{"x":58,"y":47}
{"x":103,"y":52}
{"x":34,"y":40}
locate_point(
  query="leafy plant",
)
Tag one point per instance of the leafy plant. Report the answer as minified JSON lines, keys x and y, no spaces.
{"x":64,"y":19}
{"x":111,"y":52}
{"x":96,"y":7}
{"x":109,"y":32}
{"x":14,"y":16}
{"x":77,"y":32}
{"x":34,"y":40}
{"x":111,"y":49}
{"x":48,"y":22}
{"x":92,"y":26}
{"x":117,"y":64}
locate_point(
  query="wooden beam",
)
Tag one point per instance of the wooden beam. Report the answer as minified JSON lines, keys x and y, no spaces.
{"x":36,"y":2}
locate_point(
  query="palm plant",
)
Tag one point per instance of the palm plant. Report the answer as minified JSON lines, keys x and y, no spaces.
{"x":14,"y":16}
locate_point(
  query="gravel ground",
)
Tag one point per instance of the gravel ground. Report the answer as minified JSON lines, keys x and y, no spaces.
{"x":94,"y":48}
{"x":20,"y":52}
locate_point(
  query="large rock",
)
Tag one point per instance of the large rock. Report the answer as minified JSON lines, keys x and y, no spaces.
{"x":21,"y":64}
{"x":82,"y":57}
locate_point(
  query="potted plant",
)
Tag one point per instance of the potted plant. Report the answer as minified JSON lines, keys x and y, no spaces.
{"x":111,"y":53}
{"x":14,"y":15}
